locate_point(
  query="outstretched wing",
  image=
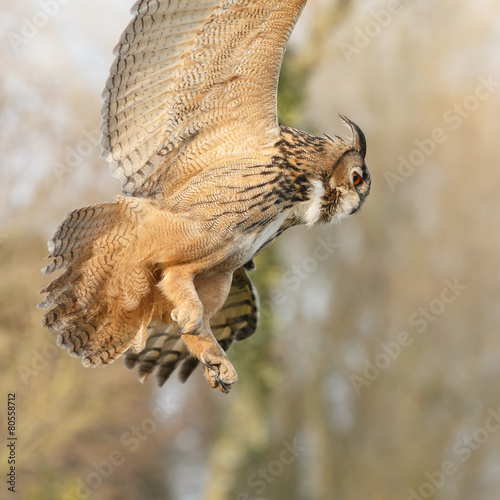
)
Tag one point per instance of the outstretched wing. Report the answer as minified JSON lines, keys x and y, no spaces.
{"x":193,"y":81}
{"x":165,"y":350}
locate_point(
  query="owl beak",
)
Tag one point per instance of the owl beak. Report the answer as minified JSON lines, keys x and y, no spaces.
{"x":358,"y":138}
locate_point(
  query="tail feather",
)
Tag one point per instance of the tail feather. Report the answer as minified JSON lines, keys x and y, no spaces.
{"x":95,"y":272}
{"x":92,"y":216}
{"x":110,"y":340}
{"x":59,"y":262}
{"x":132,"y":288}
{"x":97,"y":312}
{"x":59,"y":284}
{"x":81,"y":228}
{"x":65,"y":241}
{"x":53,"y":319}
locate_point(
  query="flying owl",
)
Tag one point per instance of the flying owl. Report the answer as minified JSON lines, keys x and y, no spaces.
{"x":210,"y":179}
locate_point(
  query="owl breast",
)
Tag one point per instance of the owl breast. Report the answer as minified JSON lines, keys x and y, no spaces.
{"x":247,"y":244}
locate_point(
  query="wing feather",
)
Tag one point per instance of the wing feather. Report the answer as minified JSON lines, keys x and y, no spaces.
{"x":189,"y":71}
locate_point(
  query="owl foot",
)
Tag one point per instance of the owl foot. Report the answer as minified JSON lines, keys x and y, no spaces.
{"x":189,"y":321}
{"x":219,"y":372}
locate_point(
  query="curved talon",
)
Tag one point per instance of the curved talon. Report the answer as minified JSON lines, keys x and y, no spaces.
{"x":196,"y":331}
{"x":211,"y":367}
{"x":191,"y":327}
{"x":224,"y":387}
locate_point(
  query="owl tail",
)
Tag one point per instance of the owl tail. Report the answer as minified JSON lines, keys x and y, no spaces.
{"x":97,"y":305}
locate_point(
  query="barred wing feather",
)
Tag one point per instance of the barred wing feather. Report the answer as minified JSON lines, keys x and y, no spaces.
{"x":193,"y":81}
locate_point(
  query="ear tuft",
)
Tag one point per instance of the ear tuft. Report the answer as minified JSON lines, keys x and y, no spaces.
{"x":358,"y":138}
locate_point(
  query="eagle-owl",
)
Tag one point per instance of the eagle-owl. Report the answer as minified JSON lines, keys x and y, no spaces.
{"x":210,"y":179}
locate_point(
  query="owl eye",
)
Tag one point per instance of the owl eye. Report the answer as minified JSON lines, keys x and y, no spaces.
{"x":356,"y":178}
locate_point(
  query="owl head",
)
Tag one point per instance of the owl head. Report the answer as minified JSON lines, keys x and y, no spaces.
{"x":344,"y":181}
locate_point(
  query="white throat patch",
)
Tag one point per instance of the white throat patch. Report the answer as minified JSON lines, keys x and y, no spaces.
{"x":311,"y":209}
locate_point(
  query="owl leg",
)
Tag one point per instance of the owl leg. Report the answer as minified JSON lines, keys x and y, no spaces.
{"x":213,"y":290}
{"x":177,"y":285}
{"x":219,"y":371}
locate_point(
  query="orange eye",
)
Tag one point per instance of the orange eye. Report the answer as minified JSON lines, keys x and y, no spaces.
{"x":356,"y":178}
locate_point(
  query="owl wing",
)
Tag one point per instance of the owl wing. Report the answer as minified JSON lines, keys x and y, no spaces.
{"x":193,"y":81}
{"x":165,"y":350}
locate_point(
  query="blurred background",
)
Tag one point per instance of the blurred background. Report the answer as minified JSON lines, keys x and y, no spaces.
{"x":375,"y":372}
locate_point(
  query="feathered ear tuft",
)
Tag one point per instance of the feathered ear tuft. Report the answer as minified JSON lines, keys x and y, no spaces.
{"x":358,"y":138}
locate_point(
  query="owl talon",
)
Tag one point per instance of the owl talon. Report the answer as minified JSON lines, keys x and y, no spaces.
{"x":196,"y":331}
{"x":187,"y":324}
{"x":215,"y":381}
{"x":220,"y":374}
{"x":225,"y":388}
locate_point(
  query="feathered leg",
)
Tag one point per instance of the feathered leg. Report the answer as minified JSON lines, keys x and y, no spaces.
{"x":212,"y":290}
{"x":178,"y":287}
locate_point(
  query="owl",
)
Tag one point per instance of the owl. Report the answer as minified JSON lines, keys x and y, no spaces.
{"x":210,"y":179}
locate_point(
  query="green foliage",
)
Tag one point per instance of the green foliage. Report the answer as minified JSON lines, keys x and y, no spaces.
{"x":291,"y":90}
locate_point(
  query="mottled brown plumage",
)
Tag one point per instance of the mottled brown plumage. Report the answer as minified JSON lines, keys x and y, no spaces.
{"x":210,"y":178}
